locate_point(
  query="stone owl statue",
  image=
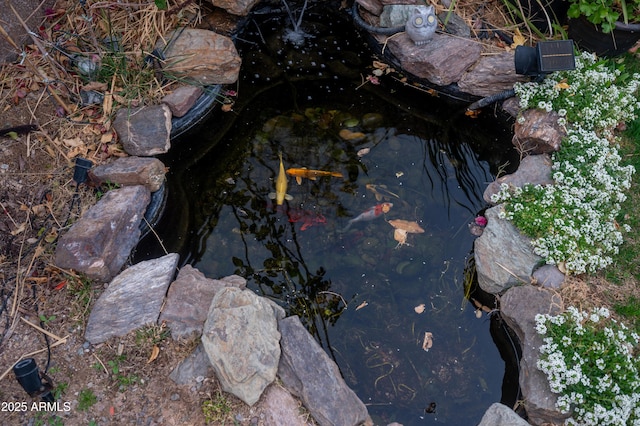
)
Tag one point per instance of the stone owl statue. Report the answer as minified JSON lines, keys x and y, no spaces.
{"x":422,"y":24}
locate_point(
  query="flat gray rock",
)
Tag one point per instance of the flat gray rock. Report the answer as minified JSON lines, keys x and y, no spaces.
{"x":100,"y":242}
{"x":144,"y":131}
{"x":127,"y":171}
{"x":308,"y":373}
{"x":189,"y":298}
{"x":501,"y":415}
{"x":497,"y":271}
{"x":533,"y":169}
{"x":241,"y":338}
{"x":132,"y":300}
{"x":191,"y":368}
{"x":519,"y":307}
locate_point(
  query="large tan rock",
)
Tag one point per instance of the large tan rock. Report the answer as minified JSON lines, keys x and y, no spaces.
{"x":235,"y":7}
{"x":442,"y":60}
{"x":490,"y":75}
{"x":201,"y":56}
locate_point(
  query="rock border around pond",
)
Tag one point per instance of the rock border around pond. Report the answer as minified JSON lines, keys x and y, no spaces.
{"x":507,"y":267}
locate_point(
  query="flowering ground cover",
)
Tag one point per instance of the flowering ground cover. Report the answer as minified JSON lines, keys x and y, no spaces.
{"x":589,"y":358}
{"x":574,"y":222}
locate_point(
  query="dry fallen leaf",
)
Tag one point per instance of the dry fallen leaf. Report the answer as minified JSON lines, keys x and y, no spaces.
{"x":420,"y":308}
{"x":362,"y":305}
{"x":518,"y":39}
{"x":428,"y":341}
{"x":154,"y":354}
{"x":411,"y":227}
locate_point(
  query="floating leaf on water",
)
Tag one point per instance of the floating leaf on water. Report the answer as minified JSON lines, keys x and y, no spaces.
{"x":362,"y":305}
{"x":399,"y":174}
{"x":363,"y":152}
{"x":420,"y":308}
{"x":411,"y":227}
{"x":428,"y":341}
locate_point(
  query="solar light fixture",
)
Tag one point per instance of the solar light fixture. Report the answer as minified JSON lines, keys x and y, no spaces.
{"x":28,"y":376}
{"x":546,"y":57}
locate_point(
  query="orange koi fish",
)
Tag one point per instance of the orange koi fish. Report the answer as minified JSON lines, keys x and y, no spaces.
{"x":370,"y":214}
{"x":310,"y":174}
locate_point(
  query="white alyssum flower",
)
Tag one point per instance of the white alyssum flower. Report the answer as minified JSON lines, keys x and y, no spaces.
{"x":573,"y":221}
{"x":597,"y":376}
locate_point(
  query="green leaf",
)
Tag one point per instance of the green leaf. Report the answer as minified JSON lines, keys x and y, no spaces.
{"x":161,"y":4}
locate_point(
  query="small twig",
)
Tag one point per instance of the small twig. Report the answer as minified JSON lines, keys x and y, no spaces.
{"x":155,"y":234}
{"x":7,"y":213}
{"x":101,"y":363}
{"x":42,"y":330}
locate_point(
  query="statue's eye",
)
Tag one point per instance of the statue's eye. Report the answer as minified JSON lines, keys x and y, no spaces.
{"x":418,"y":21}
{"x":431,"y":19}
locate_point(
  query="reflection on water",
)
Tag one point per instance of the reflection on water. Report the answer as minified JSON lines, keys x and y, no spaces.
{"x":375,"y":305}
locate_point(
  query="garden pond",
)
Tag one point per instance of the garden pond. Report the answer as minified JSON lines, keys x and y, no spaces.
{"x":390,"y":306}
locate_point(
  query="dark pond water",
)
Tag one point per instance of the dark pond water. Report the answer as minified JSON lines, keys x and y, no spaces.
{"x":354,"y":286}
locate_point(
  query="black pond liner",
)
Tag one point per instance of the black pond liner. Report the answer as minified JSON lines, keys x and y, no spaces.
{"x":198,"y":113}
{"x":589,"y":37}
{"x":204,"y":110}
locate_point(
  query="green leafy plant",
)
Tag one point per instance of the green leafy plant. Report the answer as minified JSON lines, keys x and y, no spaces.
{"x":216,"y":409}
{"x":60,"y":390}
{"x":605,"y":13}
{"x":123,"y":380}
{"x":45,"y":319}
{"x":86,"y":399}
{"x":574,"y":222}
{"x":591,"y":362}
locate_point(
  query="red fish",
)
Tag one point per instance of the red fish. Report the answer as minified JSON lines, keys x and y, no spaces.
{"x":370,"y":214}
{"x":308,"y":218}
